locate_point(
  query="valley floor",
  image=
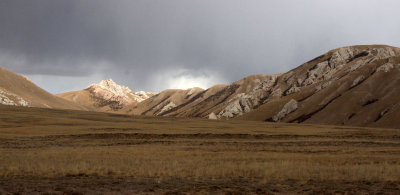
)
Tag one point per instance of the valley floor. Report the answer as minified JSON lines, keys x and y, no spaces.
{"x":76,"y":152}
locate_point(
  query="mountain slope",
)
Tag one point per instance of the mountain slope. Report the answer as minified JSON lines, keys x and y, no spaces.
{"x":216,"y":102}
{"x":164,"y":102}
{"x":106,"y":96}
{"x":357,"y":85}
{"x":17,"y":90}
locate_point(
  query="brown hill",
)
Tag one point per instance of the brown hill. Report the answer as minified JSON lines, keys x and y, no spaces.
{"x":17,"y":90}
{"x":106,"y":96}
{"x":357,"y":85}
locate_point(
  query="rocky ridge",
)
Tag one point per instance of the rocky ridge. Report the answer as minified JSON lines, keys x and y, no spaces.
{"x":321,"y":75}
{"x":347,"y":81}
{"x":304,"y":93}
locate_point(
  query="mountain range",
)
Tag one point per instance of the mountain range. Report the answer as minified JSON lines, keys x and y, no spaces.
{"x":355,"y":85}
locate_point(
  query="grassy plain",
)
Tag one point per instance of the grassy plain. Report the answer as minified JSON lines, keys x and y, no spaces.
{"x":67,"y":152}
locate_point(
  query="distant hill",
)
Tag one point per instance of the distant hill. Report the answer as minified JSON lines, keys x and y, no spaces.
{"x":106,"y":96}
{"x":17,"y":90}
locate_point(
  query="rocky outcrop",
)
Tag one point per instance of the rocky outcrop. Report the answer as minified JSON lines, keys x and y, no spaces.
{"x":358,"y":80}
{"x":317,"y":73}
{"x":341,"y":56}
{"x":292,"y":90}
{"x":383,"y":53}
{"x":167,"y":107}
{"x":240,"y":104}
{"x":288,"y":108}
{"x":385,"y":68}
{"x":11,"y":99}
{"x":212,"y":116}
{"x":244,"y":102}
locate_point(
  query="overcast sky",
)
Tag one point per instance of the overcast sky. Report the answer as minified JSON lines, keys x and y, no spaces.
{"x":151,"y":45}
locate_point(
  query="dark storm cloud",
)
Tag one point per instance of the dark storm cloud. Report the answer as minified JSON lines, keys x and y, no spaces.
{"x":152,"y":45}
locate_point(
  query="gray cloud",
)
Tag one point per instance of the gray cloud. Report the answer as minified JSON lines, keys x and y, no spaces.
{"x":142,"y":43}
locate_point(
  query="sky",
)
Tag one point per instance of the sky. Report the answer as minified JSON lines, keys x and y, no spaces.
{"x":152,"y":45}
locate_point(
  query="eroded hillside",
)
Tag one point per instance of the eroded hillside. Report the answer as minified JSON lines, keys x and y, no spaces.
{"x":357,"y":85}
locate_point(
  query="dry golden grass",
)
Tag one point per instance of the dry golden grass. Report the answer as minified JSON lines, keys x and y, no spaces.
{"x":159,"y":161}
{"x":40,"y":143}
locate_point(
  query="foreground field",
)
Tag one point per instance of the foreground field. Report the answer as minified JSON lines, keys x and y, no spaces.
{"x":60,"y":151}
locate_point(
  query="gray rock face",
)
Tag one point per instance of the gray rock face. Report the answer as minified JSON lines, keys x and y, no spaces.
{"x":341,"y":56}
{"x":359,"y":64}
{"x":276,"y":93}
{"x":166,"y":107}
{"x":382,"y":53}
{"x":243,"y":103}
{"x":266,"y":84}
{"x":385,"y":68}
{"x":288,"y":108}
{"x":11,"y":99}
{"x":358,"y":80}
{"x":293,"y":89}
{"x":316,"y":73}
